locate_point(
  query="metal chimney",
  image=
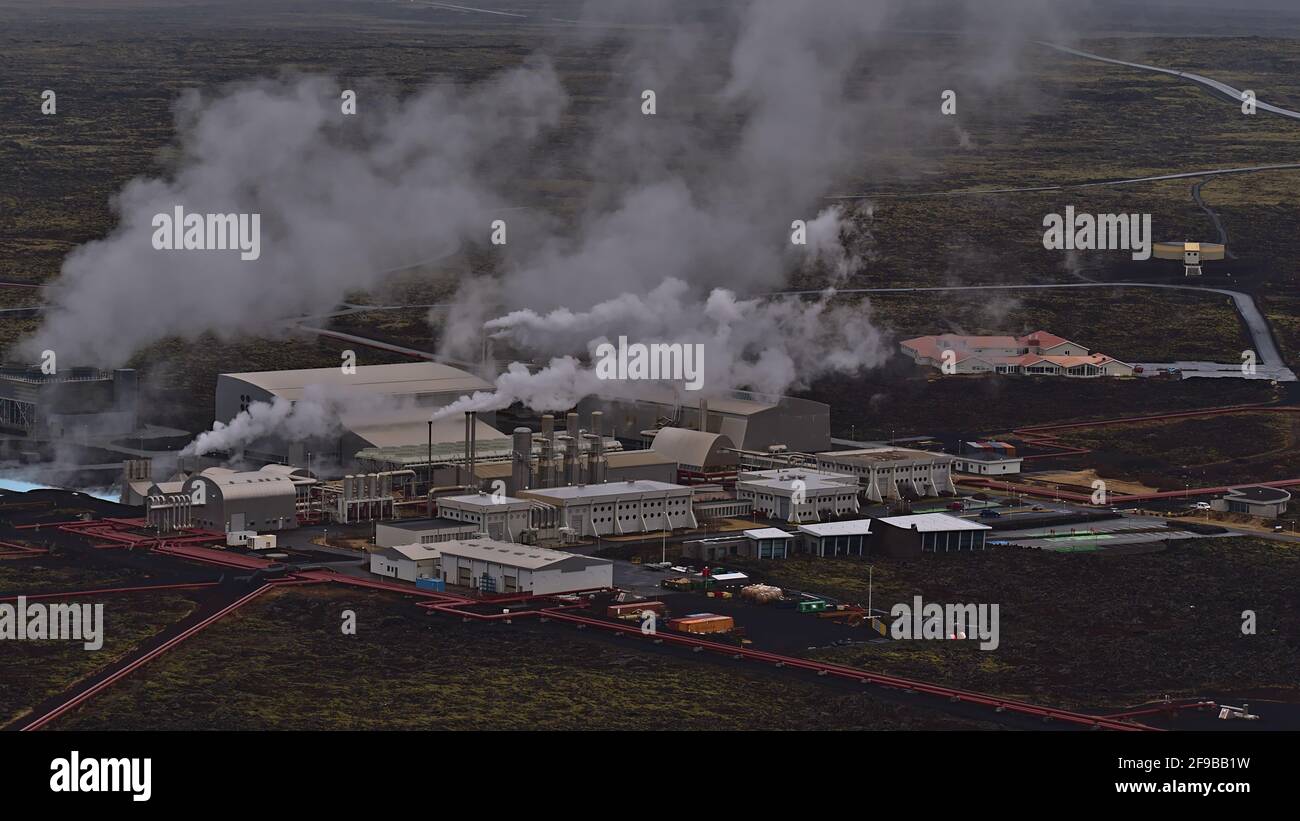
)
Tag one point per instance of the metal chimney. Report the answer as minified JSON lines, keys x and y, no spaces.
{"x":521,"y":459}
{"x":546,"y":464}
{"x":704,"y":415}
{"x":471,"y":445}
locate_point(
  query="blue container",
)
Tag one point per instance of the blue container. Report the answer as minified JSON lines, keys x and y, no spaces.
{"x":436,"y":585}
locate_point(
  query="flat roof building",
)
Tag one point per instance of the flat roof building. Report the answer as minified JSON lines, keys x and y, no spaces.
{"x":847,"y":538}
{"x":798,"y":494}
{"x":908,"y":536}
{"x":491,"y":566}
{"x":894,"y":473}
{"x":768,"y":543}
{"x":504,"y":518}
{"x":618,"y":508}
{"x":1254,"y":500}
{"x":422,"y":531}
{"x":410,"y":562}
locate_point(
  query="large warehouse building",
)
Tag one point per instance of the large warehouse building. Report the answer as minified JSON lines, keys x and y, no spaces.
{"x":751,"y":421}
{"x":502,"y":567}
{"x":414,"y":389}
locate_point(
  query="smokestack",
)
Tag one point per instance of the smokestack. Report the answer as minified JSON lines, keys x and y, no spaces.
{"x":521,"y":459}
{"x":571,"y":424}
{"x":471,"y":444}
{"x":546,"y":464}
{"x":704,"y":415}
{"x":595,"y":459}
{"x":572,"y":465}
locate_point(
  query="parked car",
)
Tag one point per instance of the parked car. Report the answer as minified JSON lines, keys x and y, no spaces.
{"x":1202,"y":505}
{"x":956,"y":506}
{"x":989,"y":513}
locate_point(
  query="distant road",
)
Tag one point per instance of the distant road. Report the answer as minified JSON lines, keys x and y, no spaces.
{"x":958,"y":192}
{"x":1224,"y":89}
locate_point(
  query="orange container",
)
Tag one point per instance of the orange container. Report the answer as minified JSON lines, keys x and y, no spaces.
{"x":703,"y":623}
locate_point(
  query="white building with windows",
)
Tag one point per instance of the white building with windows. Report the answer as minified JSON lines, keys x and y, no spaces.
{"x":501,"y":517}
{"x":495,"y":567}
{"x":894,"y":473}
{"x":618,"y":508}
{"x":409,"y":562}
{"x":798,"y":494}
{"x":848,"y":538}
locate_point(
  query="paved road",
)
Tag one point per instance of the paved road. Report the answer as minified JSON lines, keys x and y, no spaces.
{"x":1223,"y":89}
{"x":1182,"y":175}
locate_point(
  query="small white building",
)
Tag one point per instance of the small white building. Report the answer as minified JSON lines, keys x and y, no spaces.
{"x":500,"y":517}
{"x":768,"y":543}
{"x":798,"y":494}
{"x":407,"y":562}
{"x":847,"y":538}
{"x":422,"y":531}
{"x":492,"y":566}
{"x":990,"y":465}
{"x":618,"y":508}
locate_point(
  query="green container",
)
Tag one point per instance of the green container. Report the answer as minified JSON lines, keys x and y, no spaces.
{"x":814,"y":606}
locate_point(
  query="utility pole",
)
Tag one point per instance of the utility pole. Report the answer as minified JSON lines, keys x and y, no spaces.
{"x":428,"y":468}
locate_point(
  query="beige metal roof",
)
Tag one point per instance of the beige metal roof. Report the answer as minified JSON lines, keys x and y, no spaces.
{"x":693,"y":447}
{"x":407,"y":378}
{"x":411,"y":427}
{"x":511,"y":554}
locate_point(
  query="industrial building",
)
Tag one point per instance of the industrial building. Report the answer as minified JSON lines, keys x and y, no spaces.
{"x":1254,"y":500}
{"x":409,"y":562}
{"x":228,"y":501}
{"x":72,"y":404}
{"x":893,"y":473}
{"x":1039,"y":353}
{"x":550,"y":457}
{"x":491,"y":566}
{"x":618,"y":508}
{"x":503,"y":518}
{"x":711,"y":502}
{"x":751,"y":421}
{"x":798,"y":494}
{"x":412,"y":389}
{"x":422,"y":531}
{"x":701,"y":457}
{"x":909,"y":536}
{"x":847,"y":538}
{"x":988,"y":459}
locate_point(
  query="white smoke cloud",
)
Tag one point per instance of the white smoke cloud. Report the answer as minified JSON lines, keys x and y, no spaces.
{"x":762,"y":109}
